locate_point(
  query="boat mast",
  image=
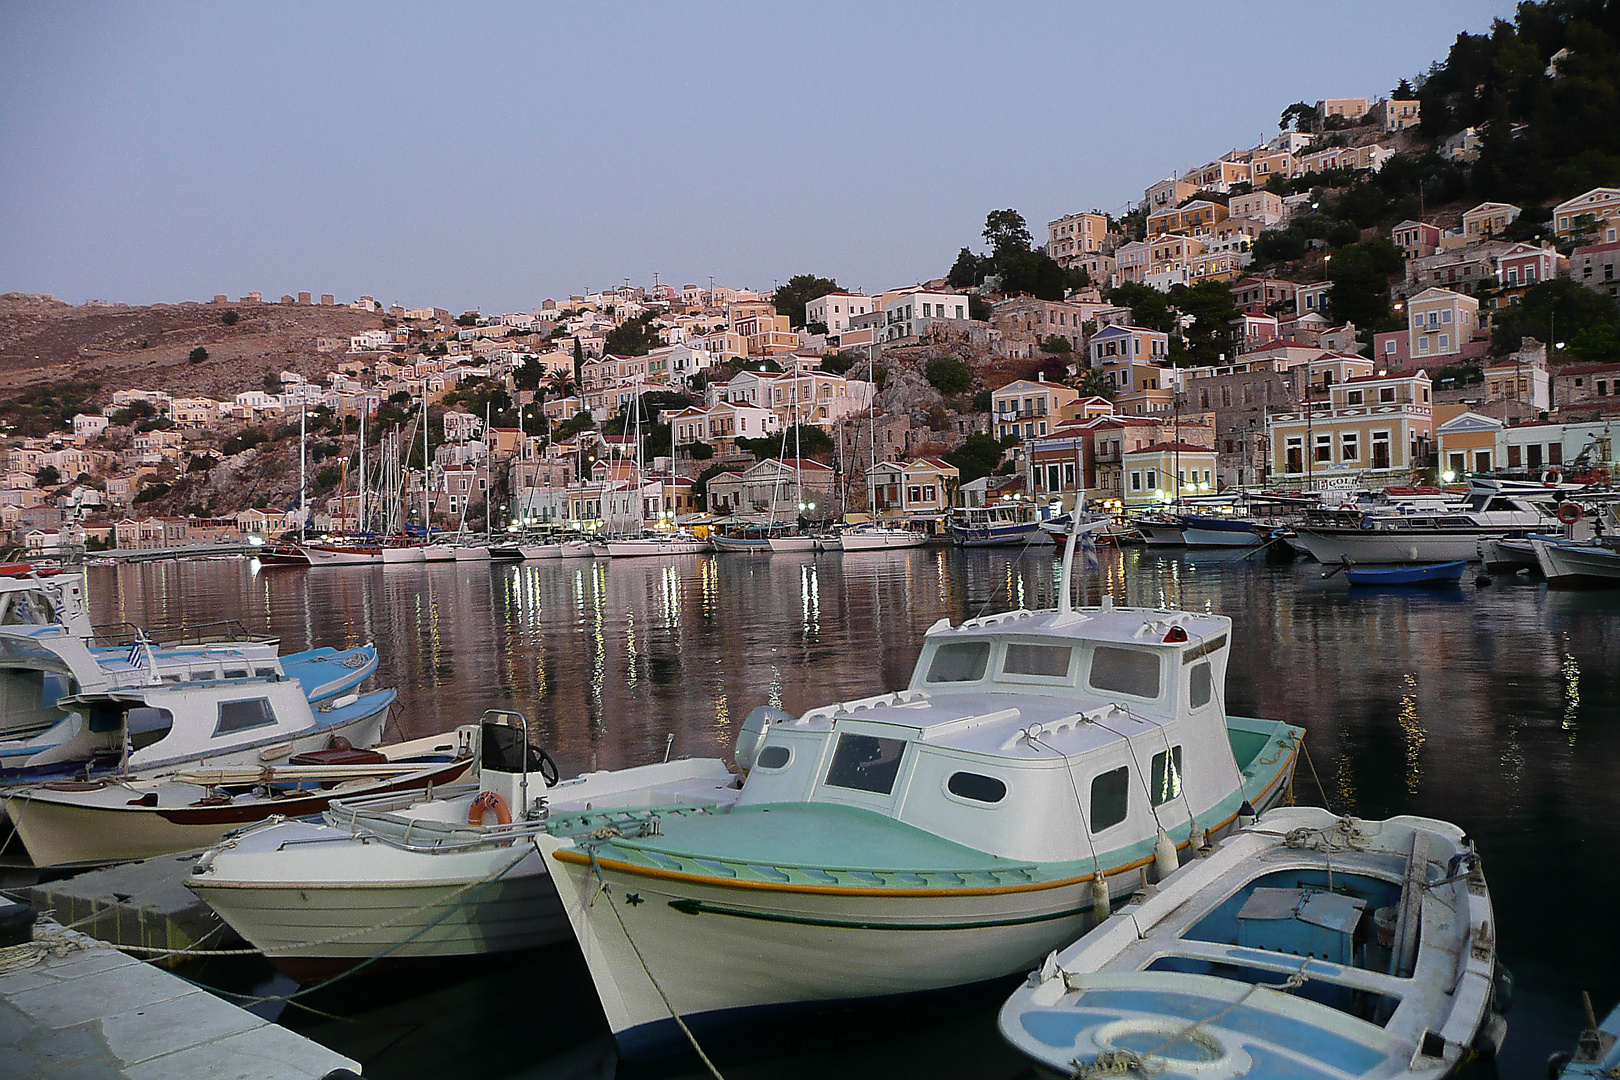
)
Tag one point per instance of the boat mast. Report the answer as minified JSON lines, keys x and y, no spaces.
{"x":798,"y":450}
{"x":303,"y":494}
{"x":360,"y":485}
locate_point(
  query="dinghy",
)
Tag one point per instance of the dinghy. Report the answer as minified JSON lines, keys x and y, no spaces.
{"x":1306,"y":947}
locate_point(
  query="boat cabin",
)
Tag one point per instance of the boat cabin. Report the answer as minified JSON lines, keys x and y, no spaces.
{"x":1046,"y":736}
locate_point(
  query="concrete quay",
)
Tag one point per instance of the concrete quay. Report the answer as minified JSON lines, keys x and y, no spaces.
{"x":71,"y":1007}
{"x":138,"y":904}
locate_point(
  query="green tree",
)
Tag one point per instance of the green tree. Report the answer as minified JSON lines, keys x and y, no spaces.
{"x":197,"y":355}
{"x":977,"y":456}
{"x":229,"y":318}
{"x":633,"y":337}
{"x":579,"y":362}
{"x":1150,"y":308}
{"x":1057,"y":343}
{"x":1209,"y":303}
{"x":1299,"y":116}
{"x":700,"y":451}
{"x":791,"y":296}
{"x":967,"y":271}
{"x":529,"y":374}
{"x":467,"y":318}
{"x":1587,"y":322}
{"x":1007,"y":234}
{"x":1361,"y":275}
{"x":1034,"y":272}
{"x":949,"y":375}
{"x":47,"y":476}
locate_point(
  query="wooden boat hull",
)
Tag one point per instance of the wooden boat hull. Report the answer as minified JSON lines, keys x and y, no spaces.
{"x":59,"y":831}
{"x":1577,"y":565}
{"x":1432,"y":575}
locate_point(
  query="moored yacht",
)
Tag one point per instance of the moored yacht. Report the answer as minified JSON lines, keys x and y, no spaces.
{"x":1035,"y":763}
{"x":998,"y":525}
{"x":672,"y":542}
{"x":879,"y":538}
{"x":1492,"y":510}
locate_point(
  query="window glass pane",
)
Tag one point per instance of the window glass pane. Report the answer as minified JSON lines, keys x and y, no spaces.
{"x":1166,"y":775}
{"x":866,"y":763}
{"x":1201,"y":687}
{"x":986,"y":789}
{"x":1051,"y":661}
{"x":774,"y":757}
{"x":962,"y":661}
{"x":1127,"y":671}
{"x":1110,"y":798}
{"x":243,"y":715}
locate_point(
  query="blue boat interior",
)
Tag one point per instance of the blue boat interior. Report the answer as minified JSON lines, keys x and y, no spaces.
{"x":1346,"y":922}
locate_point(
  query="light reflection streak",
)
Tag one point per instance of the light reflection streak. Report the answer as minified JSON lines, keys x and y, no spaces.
{"x":1412,"y":731}
{"x":1572,"y":697}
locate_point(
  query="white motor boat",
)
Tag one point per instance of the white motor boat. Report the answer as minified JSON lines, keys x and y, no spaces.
{"x":664,"y":543}
{"x":434,"y":552}
{"x":1305,"y":947}
{"x":408,"y":876}
{"x":942,"y":836}
{"x":1493,"y":510}
{"x":471,"y":553}
{"x":400,"y":554}
{"x":879,"y":538}
{"x":109,"y":819}
{"x":239,"y":716}
{"x":1007,"y":524}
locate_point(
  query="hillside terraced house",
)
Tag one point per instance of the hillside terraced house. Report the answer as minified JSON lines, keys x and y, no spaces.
{"x":1441,"y":323}
{"x":1074,"y":235}
{"x":720,"y":426}
{"x":1586,"y":213}
{"x":1114,"y":343}
{"x":1487,"y":221}
{"x":1416,"y":239}
{"x":835,"y":310}
{"x":1027,"y":409}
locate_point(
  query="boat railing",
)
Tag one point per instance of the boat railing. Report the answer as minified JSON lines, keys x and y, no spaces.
{"x":223,"y":630}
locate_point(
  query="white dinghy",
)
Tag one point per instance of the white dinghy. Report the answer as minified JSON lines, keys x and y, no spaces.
{"x":1305,"y":947}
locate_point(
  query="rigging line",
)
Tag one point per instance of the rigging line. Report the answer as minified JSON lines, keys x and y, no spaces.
{"x":1085,"y":827}
{"x":1169,"y":760}
{"x":1218,"y":686}
{"x":1136,"y":762}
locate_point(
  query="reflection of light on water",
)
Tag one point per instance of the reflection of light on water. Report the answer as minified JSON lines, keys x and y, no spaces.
{"x":775,"y":696}
{"x":1412,"y":730}
{"x":722,"y":717}
{"x":669,"y":583}
{"x":942,"y":578}
{"x":593,"y":694}
{"x":630,"y":646}
{"x":1344,"y":779}
{"x":810,"y":598}
{"x":1572,"y":696}
{"x":709,"y":586}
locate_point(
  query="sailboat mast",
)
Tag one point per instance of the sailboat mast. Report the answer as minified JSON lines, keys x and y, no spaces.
{"x":303,"y":490}
{"x":360,"y":486}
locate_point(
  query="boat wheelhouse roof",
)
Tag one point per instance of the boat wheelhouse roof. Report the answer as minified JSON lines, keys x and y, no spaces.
{"x":1021,"y":685}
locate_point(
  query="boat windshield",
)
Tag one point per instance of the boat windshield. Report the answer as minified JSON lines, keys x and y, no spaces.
{"x":960,"y":661}
{"x":866,"y":763}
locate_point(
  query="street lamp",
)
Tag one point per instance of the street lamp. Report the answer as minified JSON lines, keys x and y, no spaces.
{"x":1448,"y":476}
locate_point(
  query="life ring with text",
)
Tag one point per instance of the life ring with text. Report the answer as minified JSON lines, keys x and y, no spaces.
{"x":489,"y":802}
{"x":1552,"y":478}
{"x":1569,"y":513}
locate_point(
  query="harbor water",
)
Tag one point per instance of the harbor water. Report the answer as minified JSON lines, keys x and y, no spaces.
{"x":1496,"y":707}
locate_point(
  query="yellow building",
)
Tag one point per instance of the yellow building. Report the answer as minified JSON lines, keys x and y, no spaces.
{"x":1375,"y":424}
{"x":1466,"y":443}
{"x":1157,"y":472}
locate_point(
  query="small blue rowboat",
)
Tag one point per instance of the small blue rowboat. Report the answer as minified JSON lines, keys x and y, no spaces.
{"x":1446,"y":573}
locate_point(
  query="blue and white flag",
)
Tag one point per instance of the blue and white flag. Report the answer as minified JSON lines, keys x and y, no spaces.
{"x":137,"y":655}
{"x":1088,"y":548}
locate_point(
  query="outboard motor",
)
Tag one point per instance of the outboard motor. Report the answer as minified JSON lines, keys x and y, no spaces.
{"x":752,"y":735}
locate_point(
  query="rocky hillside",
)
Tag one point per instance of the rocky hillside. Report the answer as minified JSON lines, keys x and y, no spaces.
{"x":45,"y":341}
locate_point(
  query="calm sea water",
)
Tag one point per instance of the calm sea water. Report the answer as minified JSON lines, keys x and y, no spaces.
{"x":1497,"y":708}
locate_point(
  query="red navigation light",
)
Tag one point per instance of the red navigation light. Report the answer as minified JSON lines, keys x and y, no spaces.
{"x":1175,"y":636}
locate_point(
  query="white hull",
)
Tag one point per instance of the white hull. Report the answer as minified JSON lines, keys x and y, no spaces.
{"x":622,"y":549}
{"x":1219,"y":538}
{"x":1573,"y":564}
{"x":1162,"y":535}
{"x":378,"y":909}
{"x":1392,"y":546}
{"x":471,"y":553}
{"x":713,"y":964}
{"x":1509,"y":556}
{"x":536,"y":552}
{"x":438,"y":553}
{"x":787,"y":544}
{"x":336,"y":557}
{"x":881,"y":540}
{"x":392,"y":556}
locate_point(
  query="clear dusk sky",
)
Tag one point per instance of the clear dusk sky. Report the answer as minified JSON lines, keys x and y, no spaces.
{"x":491,"y":155}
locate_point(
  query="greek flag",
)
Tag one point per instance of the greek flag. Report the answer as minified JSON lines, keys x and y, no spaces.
{"x":137,"y":655}
{"x":1088,"y":548}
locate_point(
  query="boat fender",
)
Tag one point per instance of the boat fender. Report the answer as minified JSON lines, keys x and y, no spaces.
{"x":1569,"y":513}
{"x":1101,"y":906}
{"x":1556,"y":1062}
{"x":1246,"y":815}
{"x":489,"y":802}
{"x":1164,"y":856}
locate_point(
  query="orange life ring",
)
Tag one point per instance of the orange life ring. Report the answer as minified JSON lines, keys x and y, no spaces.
{"x":487,"y":802}
{"x":1569,"y":513}
{"x":1552,"y":478}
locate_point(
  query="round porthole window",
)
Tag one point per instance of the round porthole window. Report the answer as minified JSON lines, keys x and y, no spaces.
{"x":774,"y":757}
